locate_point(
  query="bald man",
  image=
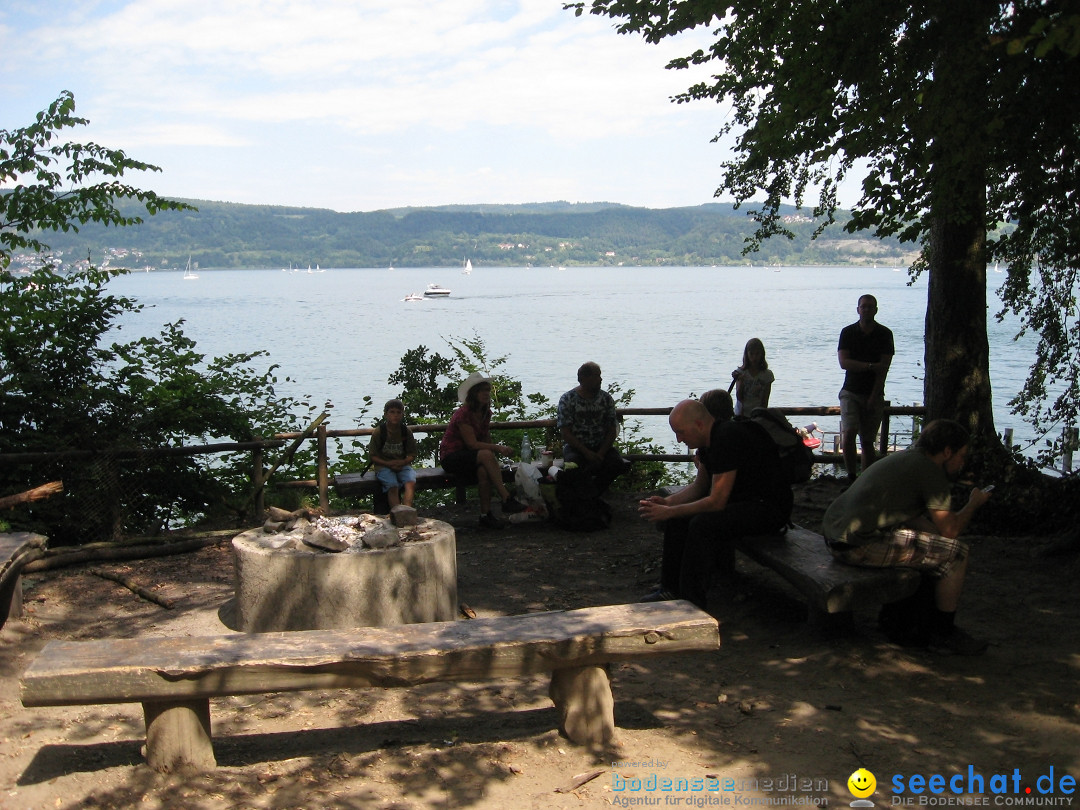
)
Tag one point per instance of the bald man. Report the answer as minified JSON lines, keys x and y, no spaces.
{"x":740,"y":491}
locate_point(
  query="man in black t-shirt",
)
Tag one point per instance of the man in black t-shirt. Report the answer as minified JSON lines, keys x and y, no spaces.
{"x":865,"y":352}
{"x":740,"y":490}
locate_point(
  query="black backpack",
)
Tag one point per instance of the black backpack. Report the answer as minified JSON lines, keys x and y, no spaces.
{"x":580,"y":507}
{"x":796,"y":459}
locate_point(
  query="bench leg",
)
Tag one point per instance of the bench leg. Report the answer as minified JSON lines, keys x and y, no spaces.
{"x":582,"y":696}
{"x":15,"y":605}
{"x":178,"y":735}
{"x":835,"y":624}
{"x":380,"y":503}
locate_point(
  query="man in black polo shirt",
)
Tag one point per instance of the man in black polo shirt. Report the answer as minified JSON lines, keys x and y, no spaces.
{"x":740,"y":490}
{"x":865,"y":352}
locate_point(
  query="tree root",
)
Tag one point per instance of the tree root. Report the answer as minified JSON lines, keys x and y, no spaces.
{"x":135,"y":588}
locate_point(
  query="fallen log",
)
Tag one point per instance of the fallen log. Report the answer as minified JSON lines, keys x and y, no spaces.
{"x":147,"y":540}
{"x":63,"y":557}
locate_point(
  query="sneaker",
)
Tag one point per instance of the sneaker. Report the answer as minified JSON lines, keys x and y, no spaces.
{"x":958,"y":642}
{"x":512,"y":506}
{"x":659,"y":595}
{"x":489,"y":521}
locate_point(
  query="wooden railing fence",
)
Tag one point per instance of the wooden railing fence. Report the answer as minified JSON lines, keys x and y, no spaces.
{"x":321,"y":434}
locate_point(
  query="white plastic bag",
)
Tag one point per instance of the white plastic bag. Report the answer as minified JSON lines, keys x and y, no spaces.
{"x":527,"y":482}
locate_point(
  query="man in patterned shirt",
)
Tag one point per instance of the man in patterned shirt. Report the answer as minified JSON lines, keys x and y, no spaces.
{"x":589,"y":425}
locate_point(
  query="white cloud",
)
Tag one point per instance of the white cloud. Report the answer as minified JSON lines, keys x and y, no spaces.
{"x":507,"y":99}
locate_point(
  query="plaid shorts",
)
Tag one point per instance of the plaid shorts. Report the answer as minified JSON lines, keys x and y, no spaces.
{"x":905,"y":548}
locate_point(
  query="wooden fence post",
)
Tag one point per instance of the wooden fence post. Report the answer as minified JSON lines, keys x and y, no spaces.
{"x":324,"y":473}
{"x":1069,"y":439}
{"x":883,"y":442}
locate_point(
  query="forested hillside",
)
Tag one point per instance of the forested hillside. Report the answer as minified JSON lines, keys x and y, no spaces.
{"x":234,"y":235}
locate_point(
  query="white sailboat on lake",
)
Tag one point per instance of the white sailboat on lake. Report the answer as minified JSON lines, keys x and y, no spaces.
{"x":467,"y":269}
{"x":189,"y":274}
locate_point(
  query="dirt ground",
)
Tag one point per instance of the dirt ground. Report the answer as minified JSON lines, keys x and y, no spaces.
{"x":782,"y":711}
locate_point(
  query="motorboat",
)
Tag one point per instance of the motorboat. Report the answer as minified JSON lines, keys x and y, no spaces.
{"x":435,"y":291}
{"x":413,"y":297}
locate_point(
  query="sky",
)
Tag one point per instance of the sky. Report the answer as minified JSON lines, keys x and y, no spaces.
{"x":360,"y":105}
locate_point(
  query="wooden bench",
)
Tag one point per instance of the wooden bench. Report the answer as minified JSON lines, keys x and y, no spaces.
{"x":174,"y":678}
{"x":361,"y":484}
{"x":832,"y":589}
{"x":16,"y":549}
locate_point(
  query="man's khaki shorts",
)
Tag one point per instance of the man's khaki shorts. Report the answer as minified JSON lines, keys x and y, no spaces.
{"x":854,"y":415}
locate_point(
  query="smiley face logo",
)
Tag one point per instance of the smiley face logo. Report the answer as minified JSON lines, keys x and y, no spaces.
{"x":862,"y":783}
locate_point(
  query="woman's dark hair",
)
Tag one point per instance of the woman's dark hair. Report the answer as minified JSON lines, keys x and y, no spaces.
{"x":718,"y":403}
{"x":395,"y":404}
{"x":941,"y":434}
{"x":751,"y":343}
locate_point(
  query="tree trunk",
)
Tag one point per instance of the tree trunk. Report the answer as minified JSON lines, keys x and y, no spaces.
{"x":957,"y":382}
{"x":957,"y":354}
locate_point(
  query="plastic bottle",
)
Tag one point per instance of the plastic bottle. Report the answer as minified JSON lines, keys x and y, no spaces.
{"x":526,"y":449}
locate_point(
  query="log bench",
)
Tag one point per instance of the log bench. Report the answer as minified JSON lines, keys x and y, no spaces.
{"x":174,"y":678}
{"x":832,"y":590}
{"x":16,"y":549}
{"x":361,"y":484}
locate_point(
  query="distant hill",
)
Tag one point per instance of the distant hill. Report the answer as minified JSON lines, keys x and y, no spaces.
{"x":221,"y":235}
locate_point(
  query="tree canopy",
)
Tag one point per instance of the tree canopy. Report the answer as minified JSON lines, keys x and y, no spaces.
{"x":61,"y":186}
{"x":66,"y":387}
{"x":958,"y":117}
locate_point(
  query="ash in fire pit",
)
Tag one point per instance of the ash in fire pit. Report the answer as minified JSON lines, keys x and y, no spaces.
{"x":328,"y":573}
{"x":337,"y":534}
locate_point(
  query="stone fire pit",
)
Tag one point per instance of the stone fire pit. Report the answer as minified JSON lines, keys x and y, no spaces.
{"x":288,"y":579}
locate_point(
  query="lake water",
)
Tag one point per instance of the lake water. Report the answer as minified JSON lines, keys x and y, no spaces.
{"x":665,"y":332}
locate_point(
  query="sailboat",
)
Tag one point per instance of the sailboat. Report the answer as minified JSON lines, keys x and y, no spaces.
{"x":467,"y":269}
{"x":189,"y":274}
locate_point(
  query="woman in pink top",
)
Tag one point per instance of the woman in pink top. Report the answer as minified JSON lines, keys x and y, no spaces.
{"x":467,"y":451}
